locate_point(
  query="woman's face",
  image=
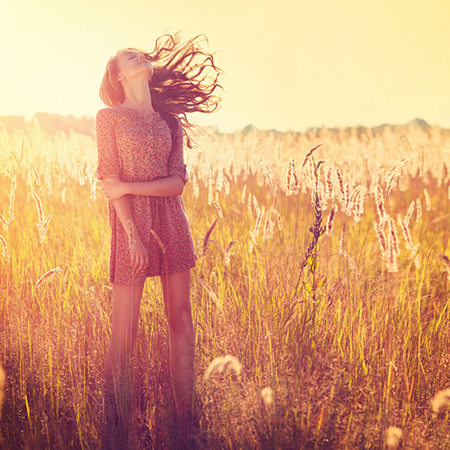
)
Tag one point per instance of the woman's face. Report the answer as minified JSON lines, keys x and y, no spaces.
{"x":133,"y":64}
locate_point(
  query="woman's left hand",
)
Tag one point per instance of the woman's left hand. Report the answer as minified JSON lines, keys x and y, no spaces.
{"x":113,"y":188}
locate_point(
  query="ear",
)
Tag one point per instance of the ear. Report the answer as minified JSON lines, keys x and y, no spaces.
{"x":120,"y":77}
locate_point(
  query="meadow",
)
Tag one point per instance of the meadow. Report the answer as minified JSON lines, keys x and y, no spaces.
{"x":331,"y":332}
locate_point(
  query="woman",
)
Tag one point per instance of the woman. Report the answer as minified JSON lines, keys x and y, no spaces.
{"x":140,"y":149}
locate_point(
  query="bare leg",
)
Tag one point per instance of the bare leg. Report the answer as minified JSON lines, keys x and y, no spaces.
{"x":176,"y":290}
{"x":125,"y":322}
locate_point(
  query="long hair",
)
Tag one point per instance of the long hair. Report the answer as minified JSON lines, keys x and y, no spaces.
{"x":185,"y":80}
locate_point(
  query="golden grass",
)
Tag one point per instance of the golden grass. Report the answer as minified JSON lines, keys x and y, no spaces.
{"x":340,"y":343}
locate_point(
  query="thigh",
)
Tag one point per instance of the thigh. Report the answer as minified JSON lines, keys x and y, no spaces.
{"x":126,"y":300}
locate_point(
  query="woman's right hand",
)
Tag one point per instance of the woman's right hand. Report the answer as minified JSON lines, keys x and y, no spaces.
{"x":139,"y":256}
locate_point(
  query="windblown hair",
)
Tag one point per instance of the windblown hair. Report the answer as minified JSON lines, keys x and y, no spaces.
{"x":185,"y":80}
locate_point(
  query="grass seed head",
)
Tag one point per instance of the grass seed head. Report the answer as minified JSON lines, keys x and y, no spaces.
{"x":48,"y":275}
{"x":418,"y":211}
{"x":440,"y":399}
{"x":267,"y":396}
{"x":158,"y":240}
{"x":393,"y":437}
{"x":221,"y":364}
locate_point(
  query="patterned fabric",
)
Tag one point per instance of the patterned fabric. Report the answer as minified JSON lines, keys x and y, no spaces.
{"x":138,"y":149}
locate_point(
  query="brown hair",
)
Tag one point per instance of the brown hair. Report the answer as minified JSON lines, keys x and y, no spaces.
{"x":184,"y":80}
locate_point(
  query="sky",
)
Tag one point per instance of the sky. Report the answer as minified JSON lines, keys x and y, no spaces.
{"x":289,"y":64}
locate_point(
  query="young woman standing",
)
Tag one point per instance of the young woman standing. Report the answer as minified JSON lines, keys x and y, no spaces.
{"x":140,"y":151}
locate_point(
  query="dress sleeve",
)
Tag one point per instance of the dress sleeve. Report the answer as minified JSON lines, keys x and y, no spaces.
{"x":176,"y":164}
{"x":108,"y":158}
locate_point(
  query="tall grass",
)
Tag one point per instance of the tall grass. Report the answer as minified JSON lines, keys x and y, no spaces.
{"x":340,"y":339}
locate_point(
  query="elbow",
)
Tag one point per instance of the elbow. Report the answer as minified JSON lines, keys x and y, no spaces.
{"x":179,"y":186}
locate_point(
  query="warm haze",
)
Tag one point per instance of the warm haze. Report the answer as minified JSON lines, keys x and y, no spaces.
{"x":288,"y":64}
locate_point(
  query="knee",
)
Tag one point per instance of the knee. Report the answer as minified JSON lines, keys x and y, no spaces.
{"x":180,"y":321}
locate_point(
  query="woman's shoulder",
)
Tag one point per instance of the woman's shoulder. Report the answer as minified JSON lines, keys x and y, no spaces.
{"x":107,"y":112}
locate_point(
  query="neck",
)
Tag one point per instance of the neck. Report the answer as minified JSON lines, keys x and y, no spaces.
{"x":138,"y":96}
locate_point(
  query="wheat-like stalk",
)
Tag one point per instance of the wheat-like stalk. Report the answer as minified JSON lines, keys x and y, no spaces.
{"x":219,"y":209}
{"x":47,"y":275}
{"x":5,"y":251}
{"x":158,"y":240}
{"x":207,"y":236}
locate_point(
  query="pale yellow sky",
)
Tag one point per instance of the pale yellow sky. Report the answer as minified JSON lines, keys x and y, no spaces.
{"x":290,"y":64}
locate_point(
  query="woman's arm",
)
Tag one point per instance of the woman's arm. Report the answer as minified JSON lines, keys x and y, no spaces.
{"x":138,"y":253}
{"x":162,"y":187}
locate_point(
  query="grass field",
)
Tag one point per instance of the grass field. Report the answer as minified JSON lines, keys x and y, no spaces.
{"x":339,"y":334}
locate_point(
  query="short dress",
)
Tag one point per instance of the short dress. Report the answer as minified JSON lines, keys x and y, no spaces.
{"x":139,"y":149}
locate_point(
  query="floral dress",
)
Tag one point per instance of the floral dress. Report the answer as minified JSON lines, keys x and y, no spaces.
{"x":138,"y":149}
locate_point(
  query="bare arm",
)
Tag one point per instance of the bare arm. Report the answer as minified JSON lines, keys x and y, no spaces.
{"x":138,"y":253}
{"x":163,"y":187}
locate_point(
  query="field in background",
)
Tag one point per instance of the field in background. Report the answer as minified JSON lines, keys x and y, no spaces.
{"x":340,"y":333}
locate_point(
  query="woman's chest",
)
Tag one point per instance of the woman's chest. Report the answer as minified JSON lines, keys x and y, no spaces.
{"x":142,"y":139}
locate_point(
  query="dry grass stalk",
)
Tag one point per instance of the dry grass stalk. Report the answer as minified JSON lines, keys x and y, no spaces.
{"x":427,"y":199}
{"x":158,"y":240}
{"x":418,"y":211}
{"x":259,"y":221}
{"x":268,"y":173}
{"x":309,"y":154}
{"x":207,"y":235}
{"x":268,"y":226}
{"x":47,"y":275}
{"x":279,"y":220}
{"x":393,"y":173}
{"x":409,"y":212}
{"x":220,"y":364}
{"x":227,"y":253}
{"x":219,"y":209}
{"x":256,"y":206}
{"x":406,"y":234}
{"x":210,"y":193}
{"x":244,"y":191}
{"x":383,"y":216}
{"x":330,"y":221}
{"x":330,"y":182}
{"x":5,"y":250}
{"x":446,"y":260}
{"x":393,"y":247}
{"x":63,"y":195}
{"x":4,"y":222}
{"x":343,"y":253}
{"x":292,"y":180}
{"x":406,"y":140}
{"x":48,"y":181}
{"x":226,"y":185}
{"x":44,"y":222}
{"x":19,"y":165}
{"x":37,"y":178}
{"x":211,"y":293}
{"x":195,"y":189}
{"x":379,"y":230}
{"x":358,"y":209}
{"x":249,"y":204}
{"x":12,"y":197}
{"x":81,"y":178}
{"x":341,"y":185}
